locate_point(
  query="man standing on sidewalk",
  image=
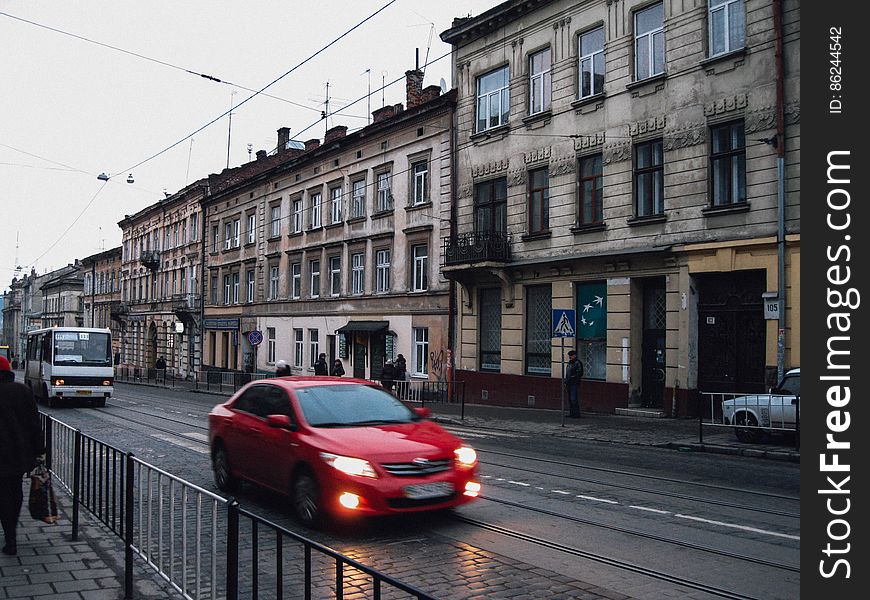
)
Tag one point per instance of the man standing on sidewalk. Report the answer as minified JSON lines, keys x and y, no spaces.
{"x":573,"y":374}
{"x":20,"y":444}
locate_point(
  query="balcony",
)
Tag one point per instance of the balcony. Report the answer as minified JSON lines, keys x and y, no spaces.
{"x":118,"y":310}
{"x":477,"y":246}
{"x":186,"y":308}
{"x":150,"y":259}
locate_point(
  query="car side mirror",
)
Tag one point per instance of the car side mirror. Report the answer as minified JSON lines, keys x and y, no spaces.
{"x":280,"y":422}
{"x":423,"y":412}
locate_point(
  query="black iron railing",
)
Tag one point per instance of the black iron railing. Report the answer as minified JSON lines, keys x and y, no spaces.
{"x":477,"y":246}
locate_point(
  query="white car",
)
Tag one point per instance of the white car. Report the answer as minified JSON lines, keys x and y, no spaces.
{"x":776,"y":410}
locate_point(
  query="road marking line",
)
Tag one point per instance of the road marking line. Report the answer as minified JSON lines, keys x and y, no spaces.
{"x":598,"y":499}
{"x":743,"y":527}
{"x":654,"y":510}
{"x":561,"y":492}
{"x":197,"y":435}
{"x":473,"y":432}
{"x":520,"y":483}
{"x":182,"y":443}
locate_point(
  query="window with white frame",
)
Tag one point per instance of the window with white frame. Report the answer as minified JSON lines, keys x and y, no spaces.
{"x":358,"y":198}
{"x":385,"y":195}
{"x":296,"y":282}
{"x":194,"y":227}
{"x":591,"y":52}
{"x":314,"y":270}
{"x":382,"y":272}
{"x":335,"y":204}
{"x":251,"y":283}
{"x":726,"y":19}
{"x":649,"y":42}
{"x":235,"y":286}
{"x":215,"y":238}
{"x":273,"y":282}
{"x":419,"y":269}
{"x":275,"y":222}
{"x":315,"y":210}
{"x":540,"y":81}
{"x":297,"y":215}
{"x":420,"y":181}
{"x":334,"y":275}
{"x":228,"y":288}
{"x":358,"y":269}
{"x":252,"y":228}
{"x":271,"y":344}
{"x":237,"y":225}
{"x":298,"y":348}
{"x":421,"y":351}
{"x":313,"y":347}
{"x":493,"y":99}
{"x":228,"y":235}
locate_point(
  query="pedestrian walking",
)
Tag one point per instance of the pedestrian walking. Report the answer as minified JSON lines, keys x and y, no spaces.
{"x":573,"y":374}
{"x":160,"y":365}
{"x":320,"y":367}
{"x":337,"y":368}
{"x":401,"y":368}
{"x":21,"y":444}
{"x":282,"y":369}
{"x":388,"y":375}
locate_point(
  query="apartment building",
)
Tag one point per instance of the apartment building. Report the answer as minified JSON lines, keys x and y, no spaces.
{"x":101,"y":296}
{"x":636,"y":162}
{"x":337,"y":250}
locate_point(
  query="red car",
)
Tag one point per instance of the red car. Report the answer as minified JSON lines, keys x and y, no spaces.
{"x":338,"y":446}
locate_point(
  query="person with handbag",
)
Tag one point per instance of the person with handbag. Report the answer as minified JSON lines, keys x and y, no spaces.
{"x":21,"y":447}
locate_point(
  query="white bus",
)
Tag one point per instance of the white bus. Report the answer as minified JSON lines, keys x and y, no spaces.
{"x":65,"y":363}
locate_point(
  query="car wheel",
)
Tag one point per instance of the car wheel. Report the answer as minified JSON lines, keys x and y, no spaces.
{"x":223,"y":477}
{"x":746,"y":435}
{"x":306,"y":500}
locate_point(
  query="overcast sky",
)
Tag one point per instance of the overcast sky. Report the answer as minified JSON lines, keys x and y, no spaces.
{"x":102,"y":86}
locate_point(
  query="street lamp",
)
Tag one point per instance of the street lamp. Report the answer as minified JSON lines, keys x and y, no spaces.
{"x":105,"y":177}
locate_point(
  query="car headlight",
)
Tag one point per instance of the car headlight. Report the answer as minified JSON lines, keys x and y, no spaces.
{"x":58,"y":382}
{"x":349,"y":465}
{"x":465,"y":456}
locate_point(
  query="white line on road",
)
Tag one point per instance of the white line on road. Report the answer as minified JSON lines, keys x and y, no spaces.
{"x":653,"y":510}
{"x":598,"y":499}
{"x":520,"y":483}
{"x":743,"y":527}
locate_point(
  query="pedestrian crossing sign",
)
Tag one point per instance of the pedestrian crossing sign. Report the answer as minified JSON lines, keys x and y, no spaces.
{"x":564,"y":323}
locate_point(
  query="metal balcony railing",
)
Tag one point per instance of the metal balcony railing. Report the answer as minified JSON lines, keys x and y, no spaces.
{"x":477,"y":246}
{"x":150,"y":259}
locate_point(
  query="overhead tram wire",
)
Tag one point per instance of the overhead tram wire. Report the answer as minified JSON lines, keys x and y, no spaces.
{"x":267,"y":86}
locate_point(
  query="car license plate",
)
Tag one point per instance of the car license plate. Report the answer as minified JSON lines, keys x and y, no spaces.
{"x":424,"y":491}
{"x":83,"y":392}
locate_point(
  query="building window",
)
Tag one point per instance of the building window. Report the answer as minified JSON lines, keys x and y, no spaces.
{"x":358,"y":200}
{"x":334,"y":275}
{"x":316,"y":206}
{"x":728,"y":164}
{"x":539,"y":200}
{"x":296,"y":284}
{"x":385,"y":194}
{"x":382,"y":276}
{"x":297,"y":215}
{"x":358,"y":267}
{"x":726,"y":26}
{"x":270,"y":337}
{"x":490,"y":206}
{"x":420,"y":182}
{"x":335,"y":196}
{"x":421,"y":351}
{"x":592,"y":329}
{"x":214,"y":238}
{"x":252,"y":228}
{"x":649,"y":42}
{"x":275,"y":224}
{"x":213,"y":293}
{"x":490,"y":329}
{"x":314,"y":269}
{"x":540,"y":82}
{"x":237,"y":225}
{"x":228,"y":236}
{"x":273,"y":282}
{"x":235,"y":286}
{"x":420,"y":257}
{"x":228,"y":289}
{"x":649,"y":186}
{"x":194,"y":227}
{"x":591,"y":52}
{"x":298,"y":348}
{"x":591,"y":188}
{"x":538,"y":329}
{"x":250,"y":275}
{"x":493,"y":99}
{"x":313,"y":347}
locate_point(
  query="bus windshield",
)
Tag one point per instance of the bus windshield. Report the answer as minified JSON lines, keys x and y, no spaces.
{"x":82,"y":348}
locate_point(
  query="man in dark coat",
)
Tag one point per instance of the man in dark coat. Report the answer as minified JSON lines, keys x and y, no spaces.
{"x":388,"y":375}
{"x":320,"y":367}
{"x":573,"y":374}
{"x":21,"y":442}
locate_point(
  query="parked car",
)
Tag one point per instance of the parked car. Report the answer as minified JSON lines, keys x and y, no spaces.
{"x":338,"y":446}
{"x":778,"y":409}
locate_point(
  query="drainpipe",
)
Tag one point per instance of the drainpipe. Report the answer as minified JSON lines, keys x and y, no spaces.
{"x":451,"y":319}
{"x":780,"y":190}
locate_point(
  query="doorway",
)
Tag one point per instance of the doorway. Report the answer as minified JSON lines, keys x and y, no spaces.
{"x":653,"y":343}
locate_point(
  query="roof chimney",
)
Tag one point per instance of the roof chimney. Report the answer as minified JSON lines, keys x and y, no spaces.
{"x":283,"y":138}
{"x":334,"y":133}
{"x":430,"y":92}
{"x":312,"y":144}
{"x":413,"y":86}
{"x":261,"y":154}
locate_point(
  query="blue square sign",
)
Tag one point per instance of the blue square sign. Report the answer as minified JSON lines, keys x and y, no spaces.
{"x":564,"y":323}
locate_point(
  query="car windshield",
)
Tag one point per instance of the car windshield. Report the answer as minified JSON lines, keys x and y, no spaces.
{"x":351,"y":405}
{"x":84,"y":348}
{"x":791,"y":384}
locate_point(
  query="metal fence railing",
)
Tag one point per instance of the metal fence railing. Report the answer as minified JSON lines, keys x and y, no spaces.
{"x":206,"y":547}
{"x":749,"y":416}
